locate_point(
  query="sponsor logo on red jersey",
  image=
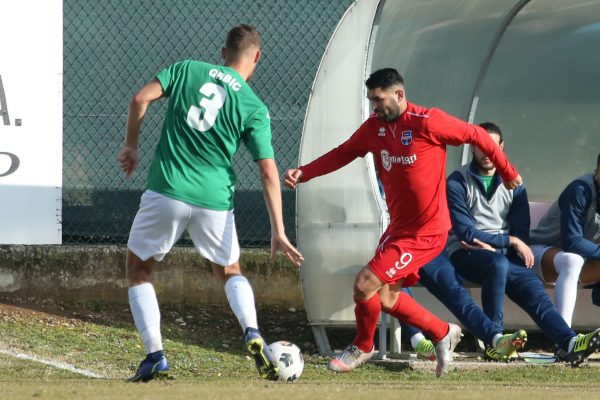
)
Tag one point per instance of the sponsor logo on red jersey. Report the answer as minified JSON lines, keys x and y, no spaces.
{"x":388,"y":160}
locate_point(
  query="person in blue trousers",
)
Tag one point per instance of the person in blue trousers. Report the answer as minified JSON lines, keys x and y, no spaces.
{"x":487,"y":246}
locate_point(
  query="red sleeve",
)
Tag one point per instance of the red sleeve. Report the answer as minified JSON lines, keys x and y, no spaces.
{"x":335,"y":159}
{"x":450,"y":130}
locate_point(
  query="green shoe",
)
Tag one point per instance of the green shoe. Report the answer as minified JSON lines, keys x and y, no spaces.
{"x":491,"y":354}
{"x":508,"y":344}
{"x":584,"y":346}
{"x":425,"y":350}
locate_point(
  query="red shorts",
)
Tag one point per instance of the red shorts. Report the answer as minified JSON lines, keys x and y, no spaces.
{"x":402,"y":258}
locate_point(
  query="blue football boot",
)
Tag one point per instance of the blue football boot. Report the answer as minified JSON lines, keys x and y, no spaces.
{"x":154,"y":366}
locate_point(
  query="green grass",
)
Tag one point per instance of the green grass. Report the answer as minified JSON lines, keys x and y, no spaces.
{"x":207,"y":360}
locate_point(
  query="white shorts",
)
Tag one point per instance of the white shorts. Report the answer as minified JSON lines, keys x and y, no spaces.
{"x":161,"y":221}
{"x":538,"y":251}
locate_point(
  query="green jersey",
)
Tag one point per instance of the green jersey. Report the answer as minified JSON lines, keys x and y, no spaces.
{"x":211,"y":110}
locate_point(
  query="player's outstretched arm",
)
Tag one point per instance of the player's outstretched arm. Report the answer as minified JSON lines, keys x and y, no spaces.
{"x":510,"y":176}
{"x":451,"y":130}
{"x":272,"y":193}
{"x":331,"y":161}
{"x":128,"y":156}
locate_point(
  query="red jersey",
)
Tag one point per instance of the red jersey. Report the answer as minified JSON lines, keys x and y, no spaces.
{"x":410,"y":157}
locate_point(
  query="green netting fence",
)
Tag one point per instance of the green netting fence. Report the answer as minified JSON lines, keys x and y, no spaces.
{"x":113,"y":47}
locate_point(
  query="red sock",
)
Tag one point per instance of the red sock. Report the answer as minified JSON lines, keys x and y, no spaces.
{"x":367,"y":315}
{"x":408,"y":311}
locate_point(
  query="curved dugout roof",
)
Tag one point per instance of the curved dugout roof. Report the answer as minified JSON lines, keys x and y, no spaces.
{"x":529,"y":66}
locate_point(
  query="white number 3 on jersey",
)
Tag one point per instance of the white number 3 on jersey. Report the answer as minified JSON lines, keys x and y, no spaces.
{"x":212,"y":103}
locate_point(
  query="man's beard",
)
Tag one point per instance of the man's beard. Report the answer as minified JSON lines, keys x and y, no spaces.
{"x":482,"y":167}
{"x":391,"y":117}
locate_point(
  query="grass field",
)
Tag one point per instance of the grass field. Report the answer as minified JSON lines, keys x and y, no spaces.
{"x":204,"y":348}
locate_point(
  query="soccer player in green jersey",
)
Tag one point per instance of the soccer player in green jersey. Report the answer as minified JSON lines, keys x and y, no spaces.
{"x":190,"y":187}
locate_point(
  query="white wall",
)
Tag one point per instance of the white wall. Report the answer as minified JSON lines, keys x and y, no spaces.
{"x":31,"y":59}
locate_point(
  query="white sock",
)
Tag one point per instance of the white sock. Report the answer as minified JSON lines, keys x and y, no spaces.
{"x":497,"y":337}
{"x":144,"y":307}
{"x":241,"y":300}
{"x":415,"y":339}
{"x":567,"y":266}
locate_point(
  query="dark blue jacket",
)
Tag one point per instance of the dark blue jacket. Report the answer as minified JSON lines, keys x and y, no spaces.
{"x":573,"y":221}
{"x":490,"y":217}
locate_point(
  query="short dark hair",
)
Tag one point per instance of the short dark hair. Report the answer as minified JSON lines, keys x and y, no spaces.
{"x":598,"y":162}
{"x":241,"y":38}
{"x":491,"y":127}
{"x":384,"y":78}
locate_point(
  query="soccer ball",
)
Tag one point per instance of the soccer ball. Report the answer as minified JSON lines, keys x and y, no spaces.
{"x":289,"y":357}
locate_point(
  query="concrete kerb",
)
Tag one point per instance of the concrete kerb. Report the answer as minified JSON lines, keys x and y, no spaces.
{"x":97,"y":273}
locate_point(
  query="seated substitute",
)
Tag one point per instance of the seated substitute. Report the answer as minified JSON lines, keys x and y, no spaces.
{"x":566,"y":242}
{"x":487,"y":246}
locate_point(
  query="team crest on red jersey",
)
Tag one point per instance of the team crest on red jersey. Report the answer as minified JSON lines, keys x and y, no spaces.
{"x":406,"y":138}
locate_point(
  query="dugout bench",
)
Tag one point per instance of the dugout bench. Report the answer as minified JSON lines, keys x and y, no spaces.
{"x":585,"y":317}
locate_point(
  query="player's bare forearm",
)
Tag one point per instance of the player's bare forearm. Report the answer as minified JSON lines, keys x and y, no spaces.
{"x":128,"y":156}
{"x":137,"y":110}
{"x":272,"y":193}
{"x":134,"y":123}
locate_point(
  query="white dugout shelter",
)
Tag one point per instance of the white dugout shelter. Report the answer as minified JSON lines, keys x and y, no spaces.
{"x":531,"y":66}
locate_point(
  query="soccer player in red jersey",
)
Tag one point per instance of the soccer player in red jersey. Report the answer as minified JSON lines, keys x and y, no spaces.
{"x":410,"y":157}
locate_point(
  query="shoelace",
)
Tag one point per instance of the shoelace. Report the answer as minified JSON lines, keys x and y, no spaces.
{"x":351,"y":351}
